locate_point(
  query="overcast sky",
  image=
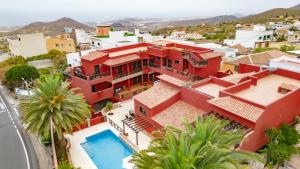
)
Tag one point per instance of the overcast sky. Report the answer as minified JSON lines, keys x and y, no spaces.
{"x":21,"y":12}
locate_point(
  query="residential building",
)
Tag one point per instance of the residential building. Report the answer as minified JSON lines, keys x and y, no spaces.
{"x":28,"y":45}
{"x":74,"y":59}
{"x":228,"y":51}
{"x":253,"y":102}
{"x":294,"y":36}
{"x":119,"y":73}
{"x":256,"y":59}
{"x":182,"y":35}
{"x":62,"y":43}
{"x":105,"y":38}
{"x":82,"y":37}
{"x":257,"y":37}
{"x":287,"y":63}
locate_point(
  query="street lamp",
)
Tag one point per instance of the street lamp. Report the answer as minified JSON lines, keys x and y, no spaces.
{"x":26,"y":84}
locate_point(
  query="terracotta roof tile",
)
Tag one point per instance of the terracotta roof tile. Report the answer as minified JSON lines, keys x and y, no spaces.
{"x":178,"y":113}
{"x":156,"y":94}
{"x":94,"y":55}
{"x":121,"y":60}
{"x":238,"y":107}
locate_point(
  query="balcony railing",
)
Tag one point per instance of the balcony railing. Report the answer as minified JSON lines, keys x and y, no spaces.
{"x":99,"y":75}
{"x":154,"y":65}
{"x":80,"y":75}
{"x":137,"y":70}
{"x":67,"y":75}
{"x":169,"y":68}
{"x":195,"y":61}
{"x":121,"y":75}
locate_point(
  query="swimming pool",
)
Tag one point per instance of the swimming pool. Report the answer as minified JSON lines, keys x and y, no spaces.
{"x":106,"y":150}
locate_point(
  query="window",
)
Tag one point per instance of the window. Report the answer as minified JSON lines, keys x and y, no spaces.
{"x":177,"y":62}
{"x":56,"y":45}
{"x":143,"y":111}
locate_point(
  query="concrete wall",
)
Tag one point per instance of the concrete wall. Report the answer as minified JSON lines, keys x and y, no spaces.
{"x":28,"y":45}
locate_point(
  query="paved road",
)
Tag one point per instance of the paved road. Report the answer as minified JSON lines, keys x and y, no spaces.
{"x":16,"y":150}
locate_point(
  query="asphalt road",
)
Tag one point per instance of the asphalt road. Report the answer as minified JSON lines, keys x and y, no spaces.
{"x":16,"y":149}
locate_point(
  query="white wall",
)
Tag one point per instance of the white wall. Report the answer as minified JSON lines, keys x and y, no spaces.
{"x":28,"y":45}
{"x":73,"y":59}
{"x":82,"y":36}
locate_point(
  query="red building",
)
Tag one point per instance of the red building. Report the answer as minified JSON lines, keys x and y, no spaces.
{"x":119,"y":73}
{"x":254,"y":101}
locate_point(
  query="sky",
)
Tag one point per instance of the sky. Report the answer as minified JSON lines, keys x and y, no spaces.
{"x":22,"y":12}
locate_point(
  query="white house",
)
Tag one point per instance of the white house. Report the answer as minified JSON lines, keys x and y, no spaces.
{"x":257,"y":37}
{"x":28,"y":45}
{"x":73,"y":59}
{"x":115,"y":39}
{"x":287,"y":63}
{"x":82,"y":37}
{"x":228,"y":52}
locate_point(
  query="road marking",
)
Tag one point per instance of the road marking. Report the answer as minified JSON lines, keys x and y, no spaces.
{"x":18,"y":132}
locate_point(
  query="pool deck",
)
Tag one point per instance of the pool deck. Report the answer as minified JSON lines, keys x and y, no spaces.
{"x":80,"y":158}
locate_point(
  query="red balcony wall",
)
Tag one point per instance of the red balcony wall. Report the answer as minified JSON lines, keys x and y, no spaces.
{"x":281,"y":111}
{"x":245,"y":68}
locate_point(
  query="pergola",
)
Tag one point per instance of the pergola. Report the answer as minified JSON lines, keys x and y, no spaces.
{"x":136,"y":124}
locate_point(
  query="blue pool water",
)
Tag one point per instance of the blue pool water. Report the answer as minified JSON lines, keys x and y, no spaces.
{"x":106,"y":150}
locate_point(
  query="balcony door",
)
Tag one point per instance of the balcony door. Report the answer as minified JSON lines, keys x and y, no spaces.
{"x":96,"y":69}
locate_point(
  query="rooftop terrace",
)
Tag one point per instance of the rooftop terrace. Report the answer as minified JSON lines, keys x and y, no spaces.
{"x":211,"y":89}
{"x":266,"y":90}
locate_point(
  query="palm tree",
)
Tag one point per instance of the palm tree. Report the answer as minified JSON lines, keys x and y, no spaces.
{"x":53,"y":108}
{"x":204,"y":145}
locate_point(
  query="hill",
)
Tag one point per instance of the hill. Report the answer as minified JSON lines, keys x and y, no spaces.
{"x":271,"y":15}
{"x":193,"y":22}
{"x":52,"y":28}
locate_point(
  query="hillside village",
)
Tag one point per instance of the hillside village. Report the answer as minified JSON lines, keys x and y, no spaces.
{"x":127,"y":91}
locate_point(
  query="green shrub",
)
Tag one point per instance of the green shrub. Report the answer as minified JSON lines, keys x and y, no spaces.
{"x":285,"y":48}
{"x":13,"y":77}
{"x":46,"y":140}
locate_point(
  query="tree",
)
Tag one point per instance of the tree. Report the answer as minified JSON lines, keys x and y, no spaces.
{"x":15,"y":75}
{"x":52,"y":109}
{"x":293,"y":28}
{"x":281,"y":146}
{"x":203,"y":145}
{"x":109,"y":106}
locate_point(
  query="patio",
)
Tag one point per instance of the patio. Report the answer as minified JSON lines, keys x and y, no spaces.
{"x":80,"y":158}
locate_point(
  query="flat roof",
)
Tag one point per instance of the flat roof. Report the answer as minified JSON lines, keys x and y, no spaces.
{"x":156,"y":94}
{"x":127,"y":51}
{"x":236,"y":77}
{"x":94,"y":55}
{"x":171,"y":80}
{"x":177,"y":114}
{"x":211,"y":89}
{"x":238,"y":107}
{"x":266,"y":90}
{"x":121,"y":60}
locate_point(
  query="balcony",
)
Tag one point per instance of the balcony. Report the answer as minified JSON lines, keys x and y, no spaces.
{"x":67,"y":75}
{"x":93,"y":78}
{"x":133,"y":90}
{"x":154,"y":65}
{"x":99,"y":75}
{"x":169,"y":68}
{"x":120,"y":75}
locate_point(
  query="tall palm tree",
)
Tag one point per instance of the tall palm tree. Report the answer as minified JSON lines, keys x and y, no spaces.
{"x":204,"y":145}
{"x":53,"y":108}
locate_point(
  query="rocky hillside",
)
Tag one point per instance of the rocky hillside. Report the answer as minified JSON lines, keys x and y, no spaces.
{"x":52,"y":28}
{"x":271,"y":15}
